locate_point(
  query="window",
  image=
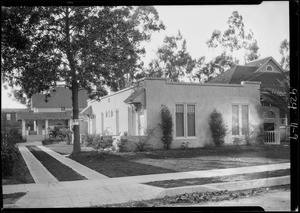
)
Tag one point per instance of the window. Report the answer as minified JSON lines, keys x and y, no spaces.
{"x":245,"y":119}
{"x":8,"y":117}
{"x":191,"y":120}
{"x":240,"y":119}
{"x":179,"y":120}
{"x":62,"y":109}
{"x":269,"y":68}
{"x":111,"y":114}
{"x":235,"y":120}
{"x":106,"y":114}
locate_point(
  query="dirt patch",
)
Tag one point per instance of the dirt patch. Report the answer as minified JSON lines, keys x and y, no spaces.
{"x":201,"y":197}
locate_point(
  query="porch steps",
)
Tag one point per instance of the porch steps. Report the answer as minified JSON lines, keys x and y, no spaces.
{"x":35,"y":137}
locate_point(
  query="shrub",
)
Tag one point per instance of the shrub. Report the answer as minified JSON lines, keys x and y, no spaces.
{"x":217,"y":128}
{"x":166,"y":126}
{"x":47,"y":141}
{"x":261,"y":134}
{"x":9,"y":156}
{"x":122,"y":145}
{"x":184,"y":145}
{"x":143,"y":144}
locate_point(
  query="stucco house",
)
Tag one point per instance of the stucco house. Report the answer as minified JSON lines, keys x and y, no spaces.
{"x":134,"y":109}
{"x":268,"y":72}
{"x":57,"y":111}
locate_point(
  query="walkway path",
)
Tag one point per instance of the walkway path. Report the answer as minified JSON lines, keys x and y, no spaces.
{"x":79,"y":168}
{"x":38,"y":172}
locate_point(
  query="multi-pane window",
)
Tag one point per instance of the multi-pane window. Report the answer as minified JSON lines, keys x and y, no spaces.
{"x":245,"y":119}
{"x":237,"y":118}
{"x":8,"y":117}
{"x":185,"y":120}
{"x":191,"y":120}
{"x":179,"y":120}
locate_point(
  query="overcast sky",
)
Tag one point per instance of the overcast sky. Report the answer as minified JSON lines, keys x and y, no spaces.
{"x":268,"y":21}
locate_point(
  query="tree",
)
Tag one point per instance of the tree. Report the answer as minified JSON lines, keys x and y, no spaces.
{"x":229,"y":45}
{"x":285,"y":54}
{"x":173,"y":61}
{"x":166,"y":126}
{"x":217,"y":128}
{"x":84,"y":47}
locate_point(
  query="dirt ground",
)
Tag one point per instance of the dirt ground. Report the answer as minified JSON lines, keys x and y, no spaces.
{"x":273,"y":200}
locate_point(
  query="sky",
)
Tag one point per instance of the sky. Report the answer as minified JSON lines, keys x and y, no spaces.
{"x":268,"y":21}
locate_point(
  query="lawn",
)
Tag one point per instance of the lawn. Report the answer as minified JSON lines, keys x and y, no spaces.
{"x":160,"y":161}
{"x":20,"y":175}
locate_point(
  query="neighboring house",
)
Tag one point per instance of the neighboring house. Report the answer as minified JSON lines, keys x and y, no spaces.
{"x":268,"y":72}
{"x":133,"y":110}
{"x":57,"y":111}
{"x":9,"y":118}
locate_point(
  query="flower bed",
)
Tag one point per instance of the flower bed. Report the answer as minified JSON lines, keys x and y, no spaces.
{"x":59,"y":170}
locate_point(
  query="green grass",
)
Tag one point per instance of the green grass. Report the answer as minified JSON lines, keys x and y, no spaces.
{"x":20,"y":175}
{"x":12,"y":198}
{"x":59,"y":170}
{"x":219,"y":179}
{"x":160,"y":161}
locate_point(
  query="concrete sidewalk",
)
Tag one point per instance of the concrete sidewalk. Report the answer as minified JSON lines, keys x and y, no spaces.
{"x":77,"y":167}
{"x":86,"y":193}
{"x":38,"y":172}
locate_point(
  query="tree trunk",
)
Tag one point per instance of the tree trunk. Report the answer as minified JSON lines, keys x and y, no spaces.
{"x":76,"y":133}
{"x":75,"y":86}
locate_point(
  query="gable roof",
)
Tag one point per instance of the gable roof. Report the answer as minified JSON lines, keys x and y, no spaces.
{"x":234,"y":75}
{"x":62,"y":97}
{"x":248,"y":72}
{"x":259,"y":62}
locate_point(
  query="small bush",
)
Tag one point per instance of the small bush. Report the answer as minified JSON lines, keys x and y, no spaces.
{"x":122,"y":145}
{"x":184,"y":145}
{"x":9,"y":156}
{"x":144,"y":142}
{"x":47,"y":141}
{"x":237,"y":141}
{"x":217,"y":128}
{"x":166,"y":126}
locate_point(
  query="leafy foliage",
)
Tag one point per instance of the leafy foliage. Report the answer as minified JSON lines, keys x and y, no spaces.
{"x":9,"y":156}
{"x":84,"y":47}
{"x":285,"y":54}
{"x":166,"y":126}
{"x":144,"y":142}
{"x":173,"y":61}
{"x":230,"y":44}
{"x":217,"y":128}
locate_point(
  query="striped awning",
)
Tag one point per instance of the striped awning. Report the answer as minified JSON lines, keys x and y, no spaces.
{"x":44,"y":115}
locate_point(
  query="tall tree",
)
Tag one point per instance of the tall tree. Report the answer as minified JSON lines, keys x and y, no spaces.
{"x":230,"y":45}
{"x":173,"y":61}
{"x":85,"y":47}
{"x":285,"y":54}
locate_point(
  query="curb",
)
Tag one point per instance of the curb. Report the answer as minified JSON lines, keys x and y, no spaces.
{"x":229,"y":186}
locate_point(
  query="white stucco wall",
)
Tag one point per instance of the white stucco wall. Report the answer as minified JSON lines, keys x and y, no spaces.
{"x":206,"y":97}
{"x":111,"y":103}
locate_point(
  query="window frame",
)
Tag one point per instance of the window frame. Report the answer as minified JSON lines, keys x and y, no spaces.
{"x":185,"y":121}
{"x":240,"y":117}
{"x":8,"y":116}
{"x":270,"y":67}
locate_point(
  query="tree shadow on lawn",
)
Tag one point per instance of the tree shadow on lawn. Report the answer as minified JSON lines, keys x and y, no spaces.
{"x":113,"y":165}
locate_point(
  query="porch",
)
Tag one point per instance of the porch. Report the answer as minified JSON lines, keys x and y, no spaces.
{"x":36,"y":126}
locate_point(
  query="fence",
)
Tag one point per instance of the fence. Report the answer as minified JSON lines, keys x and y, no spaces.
{"x":272,"y":137}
